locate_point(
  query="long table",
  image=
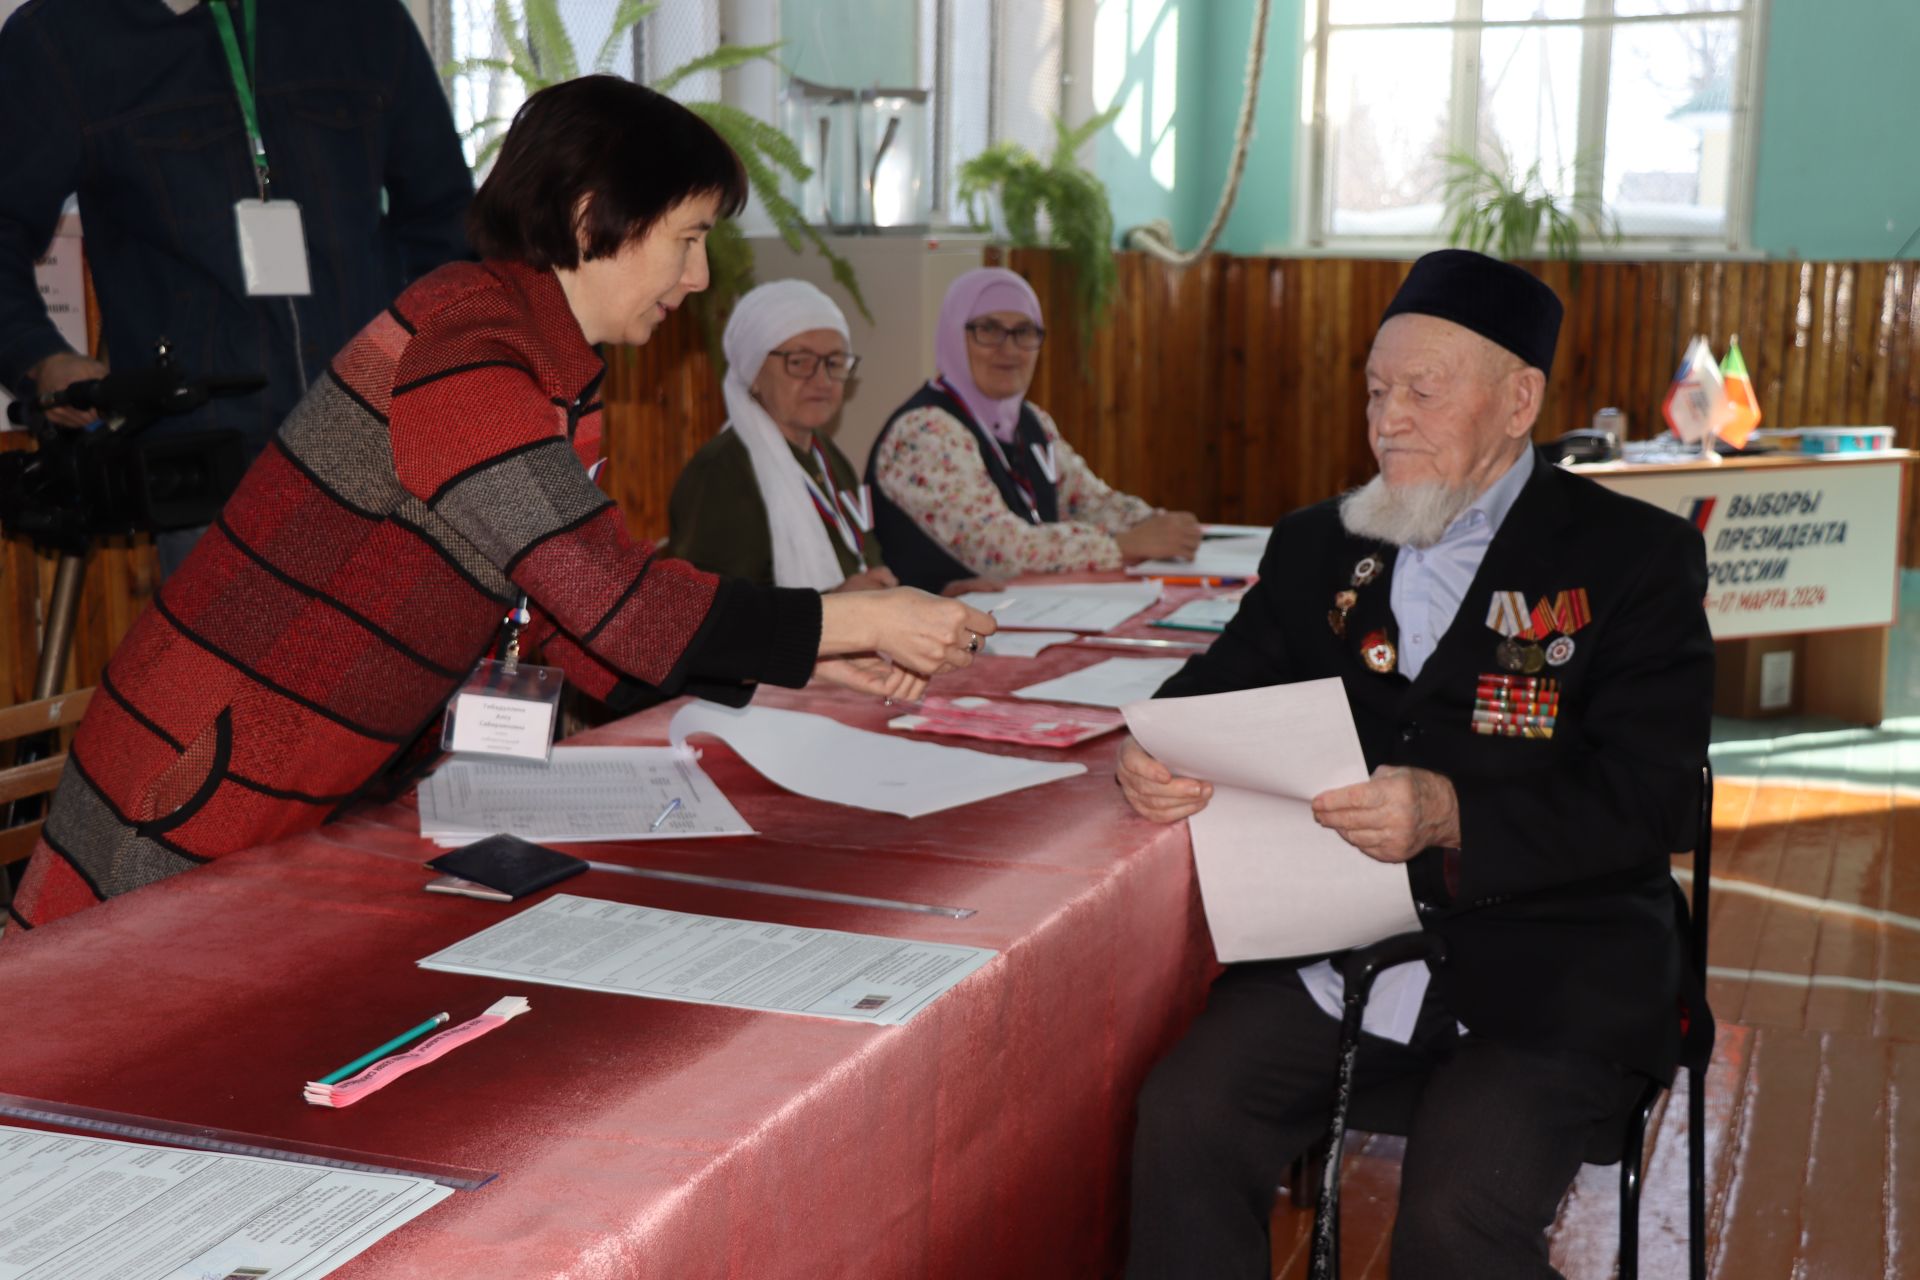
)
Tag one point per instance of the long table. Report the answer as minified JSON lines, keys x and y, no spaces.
{"x":641,"y":1138}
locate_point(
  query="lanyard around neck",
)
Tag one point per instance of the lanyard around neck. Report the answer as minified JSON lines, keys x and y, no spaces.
{"x":243,"y":75}
{"x":986,"y":433}
{"x":828,"y":504}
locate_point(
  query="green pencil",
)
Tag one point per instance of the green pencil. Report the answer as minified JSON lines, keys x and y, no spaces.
{"x":334,"y":1077}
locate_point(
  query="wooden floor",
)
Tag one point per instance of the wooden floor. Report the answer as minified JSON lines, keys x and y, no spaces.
{"x":1813,"y":1097}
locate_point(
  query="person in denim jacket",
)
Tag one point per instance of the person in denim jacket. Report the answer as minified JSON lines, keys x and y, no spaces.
{"x":130,"y":104}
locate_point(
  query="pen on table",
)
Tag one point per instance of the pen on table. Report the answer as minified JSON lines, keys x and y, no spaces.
{"x":334,"y":1077}
{"x":665,"y":813}
{"x":1204,"y":581}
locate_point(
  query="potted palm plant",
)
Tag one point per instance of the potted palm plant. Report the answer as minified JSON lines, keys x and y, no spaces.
{"x":1494,"y":211}
{"x":1079,"y":221}
{"x":540,"y":53}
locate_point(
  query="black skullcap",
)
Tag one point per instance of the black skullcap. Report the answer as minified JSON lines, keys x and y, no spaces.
{"x":1505,"y":304}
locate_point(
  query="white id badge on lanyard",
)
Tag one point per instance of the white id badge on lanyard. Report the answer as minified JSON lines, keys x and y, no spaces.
{"x":506,"y":707}
{"x":273,"y":248}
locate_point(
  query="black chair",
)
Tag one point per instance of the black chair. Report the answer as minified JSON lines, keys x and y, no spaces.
{"x":1359,"y":969}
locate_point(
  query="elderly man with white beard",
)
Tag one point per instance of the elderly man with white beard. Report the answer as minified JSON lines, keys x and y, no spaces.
{"x":1529,"y":667}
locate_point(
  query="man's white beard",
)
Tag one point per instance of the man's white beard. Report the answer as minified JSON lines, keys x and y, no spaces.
{"x":1412,"y":515}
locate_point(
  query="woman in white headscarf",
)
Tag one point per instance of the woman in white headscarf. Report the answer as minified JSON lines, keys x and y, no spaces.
{"x":769,"y":498}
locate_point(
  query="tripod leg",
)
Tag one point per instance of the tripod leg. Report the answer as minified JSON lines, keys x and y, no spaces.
{"x":57,"y":640}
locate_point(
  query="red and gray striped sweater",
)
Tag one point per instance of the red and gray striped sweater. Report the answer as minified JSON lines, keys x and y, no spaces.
{"x":303,"y":654}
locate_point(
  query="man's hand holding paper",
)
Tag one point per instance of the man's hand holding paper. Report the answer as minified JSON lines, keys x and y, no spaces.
{"x":1250,"y":769}
{"x":1393,"y":815}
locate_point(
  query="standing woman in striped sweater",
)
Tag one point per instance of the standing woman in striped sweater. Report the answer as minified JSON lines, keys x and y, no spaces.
{"x":437,"y":479}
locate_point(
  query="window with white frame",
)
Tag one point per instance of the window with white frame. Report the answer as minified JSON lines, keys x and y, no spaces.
{"x":485,"y":91}
{"x":984,"y":71}
{"x":1643,"y":105}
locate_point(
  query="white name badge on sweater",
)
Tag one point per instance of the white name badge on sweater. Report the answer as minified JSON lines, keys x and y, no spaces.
{"x":273,"y":248}
{"x":505,"y":710}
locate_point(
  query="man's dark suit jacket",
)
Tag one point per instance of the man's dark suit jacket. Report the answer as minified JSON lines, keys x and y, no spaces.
{"x":1564,"y":926}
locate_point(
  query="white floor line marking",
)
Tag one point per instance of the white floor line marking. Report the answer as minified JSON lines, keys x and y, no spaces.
{"x":1785,"y":897}
{"x":1814,"y":980}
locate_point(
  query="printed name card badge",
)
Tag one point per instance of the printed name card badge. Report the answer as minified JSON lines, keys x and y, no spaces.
{"x":505,"y":710}
{"x":273,"y":248}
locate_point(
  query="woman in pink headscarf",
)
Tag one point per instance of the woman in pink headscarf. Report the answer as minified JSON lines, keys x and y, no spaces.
{"x":969,"y":479}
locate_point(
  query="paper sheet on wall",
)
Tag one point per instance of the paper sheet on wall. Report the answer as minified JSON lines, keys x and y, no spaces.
{"x":74,"y":1207}
{"x":595,"y":945}
{"x":1113,"y":683}
{"x":1274,"y":882}
{"x":586,"y":793}
{"x":1074,"y":606}
{"x":821,"y":758}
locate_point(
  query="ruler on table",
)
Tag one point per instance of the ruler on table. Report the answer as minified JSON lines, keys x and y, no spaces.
{"x":114,"y":1124}
{"x":786,"y":891}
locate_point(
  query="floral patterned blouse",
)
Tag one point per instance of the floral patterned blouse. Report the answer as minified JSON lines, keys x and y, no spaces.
{"x":930,"y":466}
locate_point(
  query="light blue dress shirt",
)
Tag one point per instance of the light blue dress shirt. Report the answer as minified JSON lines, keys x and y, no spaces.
{"x":1428,"y":585}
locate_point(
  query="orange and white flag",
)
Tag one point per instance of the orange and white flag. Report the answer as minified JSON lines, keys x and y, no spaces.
{"x":1743,"y":406}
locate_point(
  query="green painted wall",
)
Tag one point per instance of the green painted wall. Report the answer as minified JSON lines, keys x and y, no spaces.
{"x":1837,"y":173}
{"x":856,"y":44}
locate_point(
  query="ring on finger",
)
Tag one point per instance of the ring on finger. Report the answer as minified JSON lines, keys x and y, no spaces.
{"x":973,"y":642}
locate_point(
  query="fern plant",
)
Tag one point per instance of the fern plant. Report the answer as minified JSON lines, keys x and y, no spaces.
{"x":1079,"y":218}
{"x":540,"y":53}
{"x":1491,"y":211}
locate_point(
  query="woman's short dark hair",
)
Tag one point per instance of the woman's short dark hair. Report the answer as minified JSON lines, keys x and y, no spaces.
{"x":633,"y":153}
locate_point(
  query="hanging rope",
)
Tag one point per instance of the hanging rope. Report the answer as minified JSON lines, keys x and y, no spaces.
{"x":1156,"y":237}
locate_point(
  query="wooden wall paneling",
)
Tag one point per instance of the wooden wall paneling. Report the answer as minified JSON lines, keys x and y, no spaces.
{"x":1230,"y":376}
{"x":1235,"y":388}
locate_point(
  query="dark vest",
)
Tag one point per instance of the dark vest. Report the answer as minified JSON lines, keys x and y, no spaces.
{"x":913,"y":555}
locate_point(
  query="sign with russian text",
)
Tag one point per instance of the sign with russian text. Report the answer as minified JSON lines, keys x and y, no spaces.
{"x":1789,"y":549}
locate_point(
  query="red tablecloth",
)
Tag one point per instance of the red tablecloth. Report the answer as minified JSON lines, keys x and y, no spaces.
{"x":642,"y":1138}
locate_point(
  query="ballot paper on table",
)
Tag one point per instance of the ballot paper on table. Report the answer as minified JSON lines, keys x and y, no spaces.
{"x":1202,"y":615}
{"x":1025,"y":644}
{"x":1032,"y":724}
{"x":74,"y":1206}
{"x":1113,"y":683}
{"x":823,"y":759}
{"x":594,"y":945}
{"x":585,"y":793}
{"x":1217,"y":558}
{"x":1274,"y":882}
{"x":1074,"y":606}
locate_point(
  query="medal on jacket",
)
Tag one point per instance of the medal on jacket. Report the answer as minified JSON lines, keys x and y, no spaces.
{"x":1366,"y":571}
{"x":1343,"y":602}
{"x":1522,"y":628}
{"x":1508,"y":615}
{"x":1377,"y":652}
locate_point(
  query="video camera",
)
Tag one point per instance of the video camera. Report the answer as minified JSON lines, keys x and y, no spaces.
{"x":109,"y":480}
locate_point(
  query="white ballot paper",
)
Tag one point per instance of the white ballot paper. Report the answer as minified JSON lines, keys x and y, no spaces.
{"x":586,"y":793}
{"x":1274,"y":882}
{"x":1113,"y":683}
{"x":595,"y":945}
{"x":81,"y":1208}
{"x":1075,"y":606}
{"x":823,"y":759}
{"x":1025,"y":644}
{"x":1217,"y":558}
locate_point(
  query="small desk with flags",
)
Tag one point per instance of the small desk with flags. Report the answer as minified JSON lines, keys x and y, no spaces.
{"x":1803,"y":559}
